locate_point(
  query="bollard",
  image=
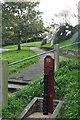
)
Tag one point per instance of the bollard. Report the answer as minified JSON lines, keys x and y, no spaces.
{"x":56,"y":56}
{"x":48,"y":85}
{"x":4,"y":83}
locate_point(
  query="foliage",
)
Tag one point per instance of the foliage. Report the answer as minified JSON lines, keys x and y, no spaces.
{"x":47,"y":45}
{"x":77,"y":31}
{"x":64,"y":32}
{"x":20,"y":20}
{"x":66,"y":78}
{"x":43,"y":42}
{"x":21,"y":98}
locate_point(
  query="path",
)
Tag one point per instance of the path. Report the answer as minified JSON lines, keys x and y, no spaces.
{"x":34,"y":71}
{"x":2,"y":50}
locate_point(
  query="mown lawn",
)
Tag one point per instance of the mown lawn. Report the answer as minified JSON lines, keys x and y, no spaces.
{"x":67,"y":42}
{"x":14,"y":55}
{"x":47,"y":45}
{"x":64,"y":43}
{"x":33,"y":44}
{"x":67,"y":78}
{"x":10,"y":47}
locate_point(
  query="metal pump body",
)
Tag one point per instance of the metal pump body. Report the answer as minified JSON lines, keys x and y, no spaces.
{"x":48,"y":85}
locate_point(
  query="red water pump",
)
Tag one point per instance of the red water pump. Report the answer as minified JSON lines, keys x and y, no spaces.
{"x":48,"y":85}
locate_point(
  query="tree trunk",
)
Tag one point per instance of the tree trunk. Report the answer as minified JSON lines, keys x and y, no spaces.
{"x":19,"y":39}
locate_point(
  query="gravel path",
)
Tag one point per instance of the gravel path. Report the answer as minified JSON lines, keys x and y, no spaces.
{"x":34,"y":71}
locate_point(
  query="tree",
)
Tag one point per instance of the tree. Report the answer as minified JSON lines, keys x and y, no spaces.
{"x":22,"y":19}
{"x":63,"y":33}
{"x":76,"y":35}
{"x":64,"y":16}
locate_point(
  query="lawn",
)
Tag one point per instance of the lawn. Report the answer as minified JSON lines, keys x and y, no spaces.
{"x":34,"y":44}
{"x":10,"y":47}
{"x":14,"y":55}
{"x":47,"y":45}
{"x":64,"y":43}
{"x":29,"y":44}
{"x":67,"y":42}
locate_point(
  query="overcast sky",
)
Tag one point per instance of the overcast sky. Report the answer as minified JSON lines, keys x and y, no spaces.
{"x":50,"y":7}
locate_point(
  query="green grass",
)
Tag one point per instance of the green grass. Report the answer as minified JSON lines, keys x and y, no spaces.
{"x":64,"y":43}
{"x":67,"y":42}
{"x":66,"y":78}
{"x":14,"y":55}
{"x":34,"y":44}
{"x":10,"y":46}
{"x":18,"y":100}
{"x":47,"y":45}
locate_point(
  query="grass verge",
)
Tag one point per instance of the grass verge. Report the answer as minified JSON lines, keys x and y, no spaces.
{"x":67,"y":42}
{"x":14,"y":55}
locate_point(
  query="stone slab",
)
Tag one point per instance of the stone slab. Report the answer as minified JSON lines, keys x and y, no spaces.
{"x":15,"y":81}
{"x":14,"y":86}
{"x":34,"y":110}
{"x":39,"y":115}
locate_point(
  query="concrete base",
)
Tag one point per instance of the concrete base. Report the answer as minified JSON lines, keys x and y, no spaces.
{"x":34,"y":110}
{"x":39,"y":115}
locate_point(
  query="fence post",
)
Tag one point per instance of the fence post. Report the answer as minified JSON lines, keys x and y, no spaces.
{"x":4,"y":83}
{"x":56,"y":56}
{"x":0,"y":87}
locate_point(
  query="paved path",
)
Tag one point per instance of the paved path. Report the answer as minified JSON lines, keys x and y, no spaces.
{"x":2,"y":50}
{"x":34,"y":71}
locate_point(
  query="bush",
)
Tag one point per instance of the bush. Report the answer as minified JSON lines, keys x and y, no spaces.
{"x":64,"y":32}
{"x":44,"y":41}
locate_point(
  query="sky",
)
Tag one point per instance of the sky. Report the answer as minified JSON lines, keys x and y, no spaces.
{"x":51,"y":7}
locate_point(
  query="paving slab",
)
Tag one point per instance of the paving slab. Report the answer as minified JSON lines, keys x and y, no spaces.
{"x":13,"y":86}
{"x":39,"y":115}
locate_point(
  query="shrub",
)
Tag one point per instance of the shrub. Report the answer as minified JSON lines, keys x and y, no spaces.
{"x":63,"y":33}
